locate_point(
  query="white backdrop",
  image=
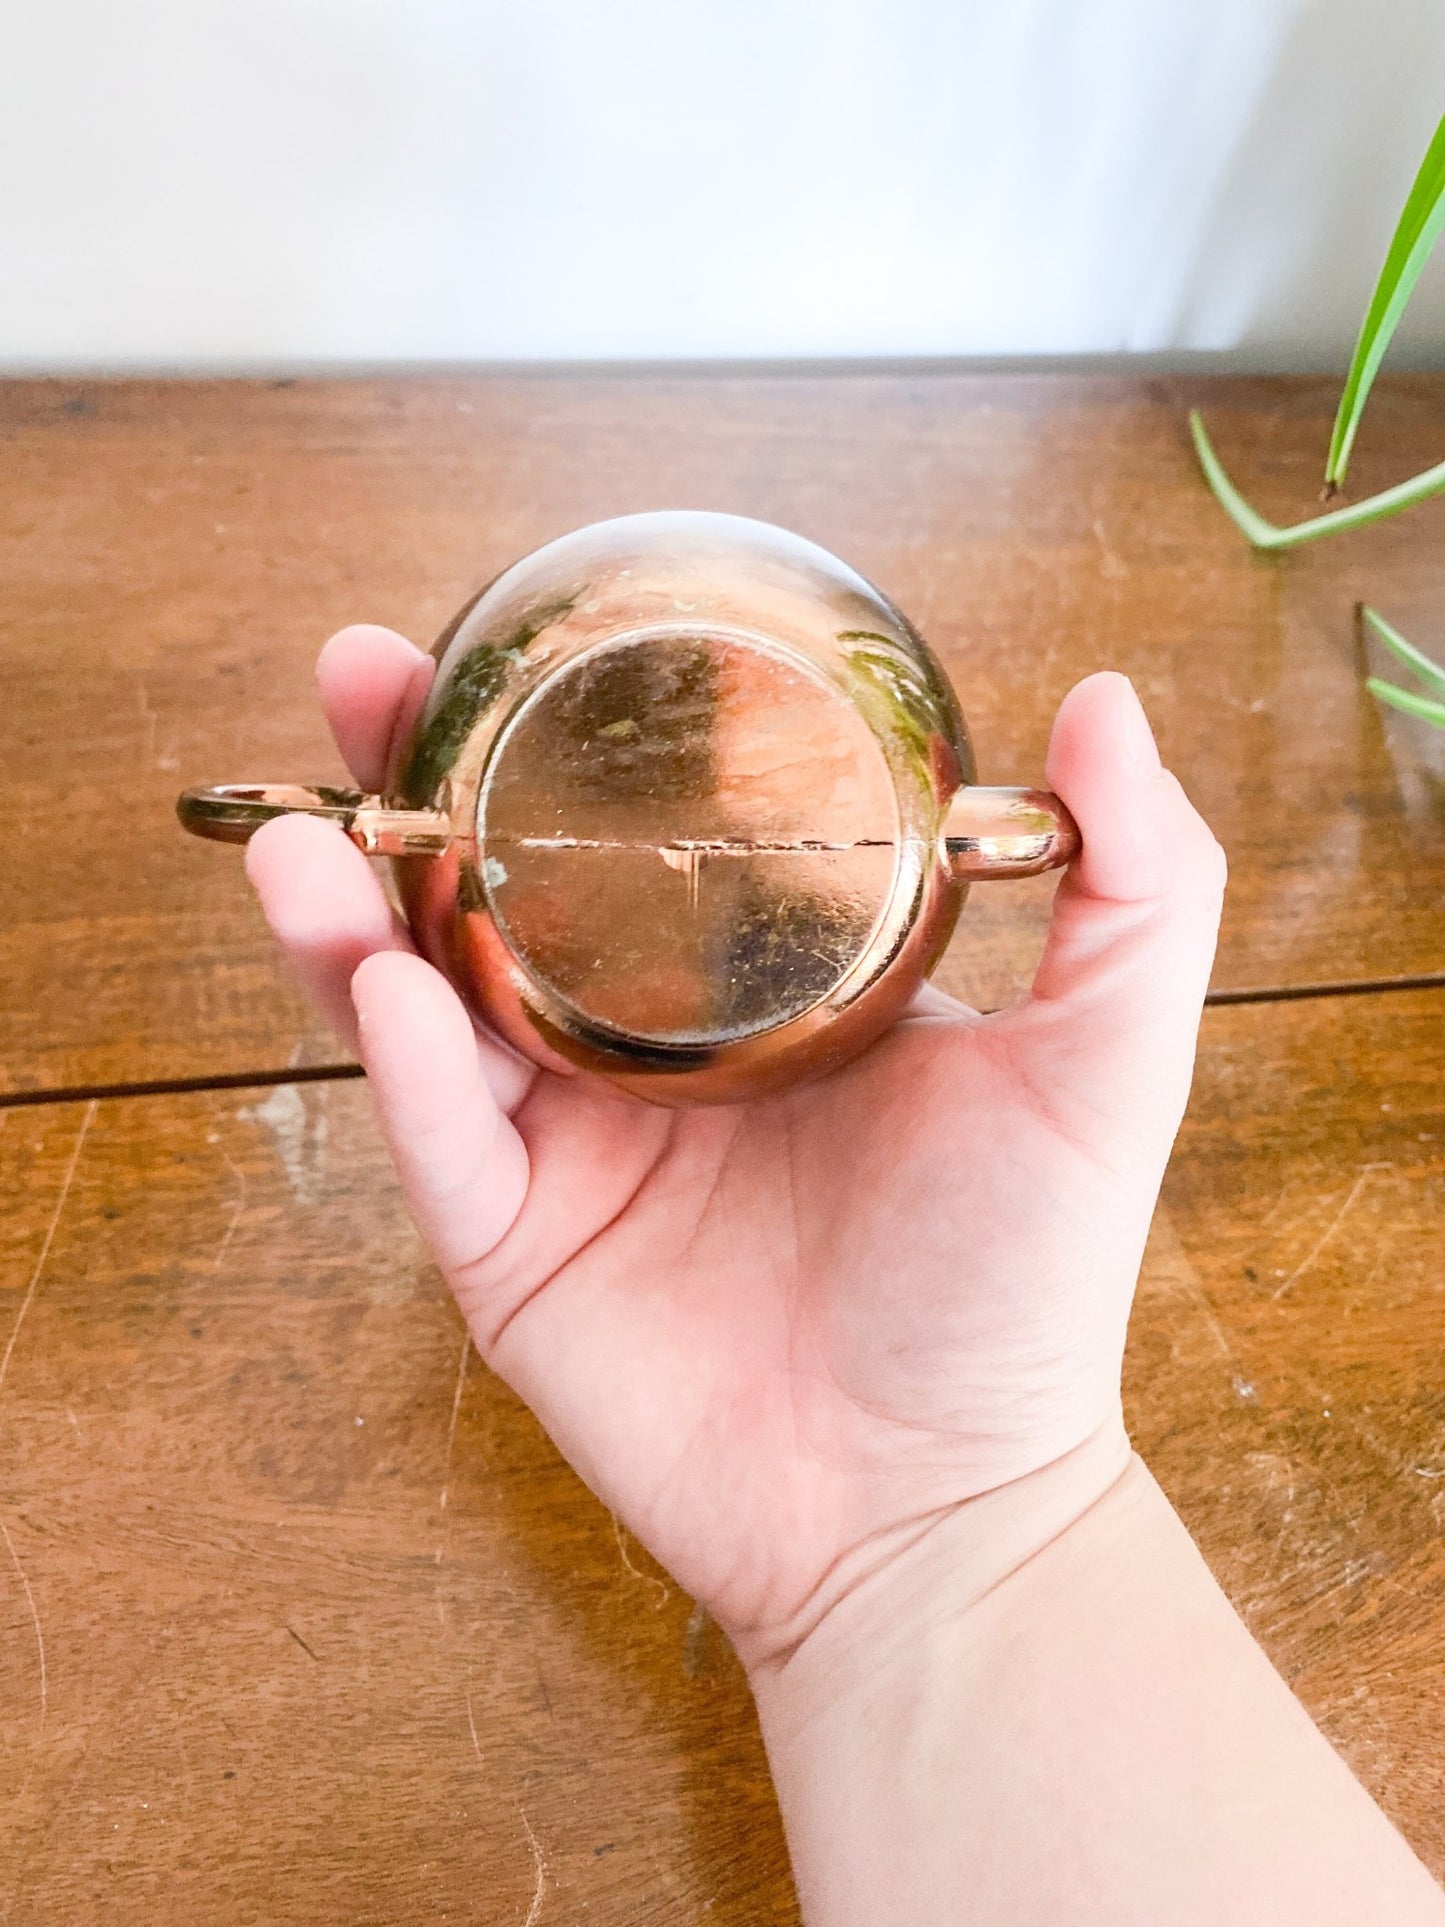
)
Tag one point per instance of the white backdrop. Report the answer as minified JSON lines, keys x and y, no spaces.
{"x":243,"y":182}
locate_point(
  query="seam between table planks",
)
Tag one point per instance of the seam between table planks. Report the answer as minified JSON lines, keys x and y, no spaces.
{"x":265,"y":1079}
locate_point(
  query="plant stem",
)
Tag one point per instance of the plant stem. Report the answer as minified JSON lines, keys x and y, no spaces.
{"x":1430,"y":673}
{"x":1407,"y":700}
{"x":1269,"y":535}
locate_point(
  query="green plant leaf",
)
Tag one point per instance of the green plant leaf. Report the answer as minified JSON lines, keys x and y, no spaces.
{"x":1269,"y":535}
{"x":1430,"y":673}
{"x":1407,"y":700}
{"x":1421,"y":221}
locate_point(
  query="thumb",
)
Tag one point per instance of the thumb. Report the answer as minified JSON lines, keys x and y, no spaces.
{"x":1114,"y":1013}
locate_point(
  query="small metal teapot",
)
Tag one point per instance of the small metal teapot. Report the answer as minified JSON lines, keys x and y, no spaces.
{"x":690,"y":805}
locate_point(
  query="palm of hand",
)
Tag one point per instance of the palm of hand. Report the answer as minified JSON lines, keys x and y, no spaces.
{"x":770,"y":1336}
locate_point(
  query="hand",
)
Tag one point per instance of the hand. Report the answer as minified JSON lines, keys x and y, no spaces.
{"x":781,"y":1339}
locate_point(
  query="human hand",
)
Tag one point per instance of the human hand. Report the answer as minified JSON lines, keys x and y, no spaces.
{"x":781,"y":1339}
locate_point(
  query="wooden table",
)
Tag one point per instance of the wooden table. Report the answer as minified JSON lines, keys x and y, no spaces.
{"x":301,"y":1617}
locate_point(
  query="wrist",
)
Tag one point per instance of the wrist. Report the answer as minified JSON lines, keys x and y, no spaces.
{"x":1045,"y":1709}
{"x":888,"y":1594}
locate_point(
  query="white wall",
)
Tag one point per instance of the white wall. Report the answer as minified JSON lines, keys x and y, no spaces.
{"x":233,"y":182}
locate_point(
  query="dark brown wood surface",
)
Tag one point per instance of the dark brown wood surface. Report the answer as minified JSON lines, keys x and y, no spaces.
{"x":330,"y":1633}
{"x":1286,"y":1369}
{"x":173,"y":555}
{"x":301,"y":1617}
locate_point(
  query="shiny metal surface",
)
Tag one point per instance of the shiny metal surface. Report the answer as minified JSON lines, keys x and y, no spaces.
{"x":689,"y":805}
{"x":233,"y":812}
{"x":993,"y":833}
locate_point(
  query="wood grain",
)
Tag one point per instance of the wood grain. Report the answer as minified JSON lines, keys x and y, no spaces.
{"x":330,"y":1633}
{"x":175,"y":553}
{"x":1286,"y":1371}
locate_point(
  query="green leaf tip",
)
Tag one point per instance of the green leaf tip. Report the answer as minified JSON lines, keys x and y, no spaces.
{"x":1421,"y":221}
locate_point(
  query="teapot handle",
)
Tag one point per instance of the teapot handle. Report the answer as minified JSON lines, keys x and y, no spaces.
{"x":987,"y":833}
{"x":991,"y":833}
{"x":232,"y":812}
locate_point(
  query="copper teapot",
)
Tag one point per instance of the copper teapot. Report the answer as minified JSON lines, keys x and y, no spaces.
{"x":690,"y":805}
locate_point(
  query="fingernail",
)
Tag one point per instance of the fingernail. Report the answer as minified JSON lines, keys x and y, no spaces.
{"x":1139,"y":745}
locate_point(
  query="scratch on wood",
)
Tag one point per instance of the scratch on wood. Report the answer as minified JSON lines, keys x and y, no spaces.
{"x":441,"y":1550}
{"x":1357,"y":1424}
{"x":35,"y":1621}
{"x":240,"y":1206}
{"x":184,"y":1753}
{"x":1282,"y":1202}
{"x":302,"y":1644}
{"x":539,"y":1867}
{"x":1362,"y":1178}
{"x":539,"y":1863}
{"x":664,"y":1592}
{"x":149,"y":718}
{"x":1172,"y":1264}
{"x":34,"y":1285}
{"x":1111,"y":566}
{"x":452,"y":1427}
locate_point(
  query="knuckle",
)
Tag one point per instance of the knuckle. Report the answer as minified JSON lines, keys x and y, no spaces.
{"x":1204,"y":861}
{"x":1213,"y":864}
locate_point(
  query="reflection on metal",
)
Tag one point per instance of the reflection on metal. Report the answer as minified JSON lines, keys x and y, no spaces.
{"x":1007,"y":833}
{"x":687,"y":859}
{"x":233,"y":812}
{"x":690,"y":805}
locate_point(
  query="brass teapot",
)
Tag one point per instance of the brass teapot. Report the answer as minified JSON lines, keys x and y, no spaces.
{"x":690,"y":805}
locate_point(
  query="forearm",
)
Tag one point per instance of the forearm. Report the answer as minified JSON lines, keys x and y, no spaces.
{"x":1074,"y":1730}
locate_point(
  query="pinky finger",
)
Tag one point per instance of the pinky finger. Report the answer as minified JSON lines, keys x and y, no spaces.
{"x":329,"y":913}
{"x":462,"y":1164}
{"x":326,"y":908}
